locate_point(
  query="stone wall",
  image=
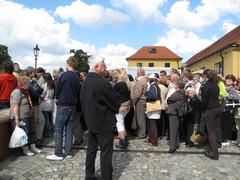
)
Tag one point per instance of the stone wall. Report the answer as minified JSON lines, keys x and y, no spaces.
{"x":5,"y":134}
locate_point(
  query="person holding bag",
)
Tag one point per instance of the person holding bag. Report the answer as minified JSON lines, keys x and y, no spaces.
{"x":21,"y":112}
{"x":153,"y":97}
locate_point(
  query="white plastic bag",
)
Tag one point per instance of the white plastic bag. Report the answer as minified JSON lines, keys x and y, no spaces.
{"x":19,"y":138}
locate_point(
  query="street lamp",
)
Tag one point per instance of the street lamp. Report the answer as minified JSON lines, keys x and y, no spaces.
{"x":36,"y":53}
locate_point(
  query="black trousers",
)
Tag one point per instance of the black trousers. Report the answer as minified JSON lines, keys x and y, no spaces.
{"x":105,"y":141}
{"x":162,"y":124}
{"x":226,"y":125}
{"x":212,"y":119}
{"x":188,"y":123}
{"x":174,"y":131}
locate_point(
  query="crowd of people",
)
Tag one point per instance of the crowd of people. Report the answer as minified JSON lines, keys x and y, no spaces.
{"x":151,"y":107}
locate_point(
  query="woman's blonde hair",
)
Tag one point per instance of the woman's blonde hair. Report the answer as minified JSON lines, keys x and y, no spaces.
{"x":123,"y":76}
{"x":23,"y":80}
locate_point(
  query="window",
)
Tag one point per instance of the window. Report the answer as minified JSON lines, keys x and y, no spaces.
{"x":152,"y":50}
{"x":139,"y":64}
{"x":150,"y":64}
{"x":218,"y":68}
{"x":167,"y":65}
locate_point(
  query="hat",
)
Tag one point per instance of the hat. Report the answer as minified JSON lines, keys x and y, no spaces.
{"x":230,"y":76}
{"x":152,"y":76}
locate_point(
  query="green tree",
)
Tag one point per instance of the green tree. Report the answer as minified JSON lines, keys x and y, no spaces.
{"x":82,"y":60}
{"x":4,"y":56}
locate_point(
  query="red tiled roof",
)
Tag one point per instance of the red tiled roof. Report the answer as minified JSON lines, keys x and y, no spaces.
{"x":161,"y":53}
{"x":233,"y":37}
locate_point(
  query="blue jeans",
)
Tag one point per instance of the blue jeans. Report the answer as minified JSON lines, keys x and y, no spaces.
{"x":64,"y":119}
{"x":48,"y":126}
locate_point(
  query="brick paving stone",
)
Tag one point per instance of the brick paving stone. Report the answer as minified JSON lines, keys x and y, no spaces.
{"x":139,"y":162}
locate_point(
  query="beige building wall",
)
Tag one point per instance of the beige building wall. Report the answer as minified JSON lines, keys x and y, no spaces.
{"x":157,"y":63}
{"x":231,"y":62}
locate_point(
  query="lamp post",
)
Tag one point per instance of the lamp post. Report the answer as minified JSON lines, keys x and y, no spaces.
{"x":36,"y":53}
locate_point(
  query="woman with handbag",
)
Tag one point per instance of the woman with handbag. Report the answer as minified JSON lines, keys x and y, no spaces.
{"x":21,"y":114}
{"x":153,"y":114}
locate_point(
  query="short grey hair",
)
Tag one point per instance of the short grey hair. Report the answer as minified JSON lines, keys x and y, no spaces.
{"x":95,"y":60}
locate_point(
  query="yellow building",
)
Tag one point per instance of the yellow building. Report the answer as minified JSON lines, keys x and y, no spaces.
{"x":154,"y":57}
{"x":223,"y":56}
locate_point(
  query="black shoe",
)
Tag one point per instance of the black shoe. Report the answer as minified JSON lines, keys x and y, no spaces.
{"x":211,"y":157}
{"x":172,"y":150}
{"x":123,"y":144}
{"x":189,"y":145}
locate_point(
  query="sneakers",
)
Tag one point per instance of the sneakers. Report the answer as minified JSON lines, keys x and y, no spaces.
{"x":34,"y":149}
{"x":68,"y":156}
{"x":26,"y":151}
{"x":54,"y":158}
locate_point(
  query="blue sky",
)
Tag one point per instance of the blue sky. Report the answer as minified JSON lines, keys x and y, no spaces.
{"x":114,"y":29}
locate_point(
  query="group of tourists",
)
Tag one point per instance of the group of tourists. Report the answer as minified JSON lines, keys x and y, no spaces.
{"x":176,"y":107}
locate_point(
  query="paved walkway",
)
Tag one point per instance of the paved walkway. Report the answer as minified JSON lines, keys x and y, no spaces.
{"x":140,"y":162}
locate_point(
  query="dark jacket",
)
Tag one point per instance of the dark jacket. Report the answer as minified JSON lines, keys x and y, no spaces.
{"x":196,"y":105}
{"x":68,"y":89}
{"x":210,"y":94}
{"x":35,"y":92}
{"x":172,"y":101}
{"x":100,"y":103}
{"x":122,"y":89}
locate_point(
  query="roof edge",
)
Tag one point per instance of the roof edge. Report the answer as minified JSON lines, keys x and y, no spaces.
{"x":222,"y":49}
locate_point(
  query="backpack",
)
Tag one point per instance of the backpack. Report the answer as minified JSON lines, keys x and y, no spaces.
{"x":152,"y":94}
{"x":183,"y":108}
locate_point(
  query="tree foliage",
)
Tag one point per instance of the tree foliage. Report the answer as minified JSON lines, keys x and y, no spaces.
{"x":82,"y":60}
{"x":4,"y":56}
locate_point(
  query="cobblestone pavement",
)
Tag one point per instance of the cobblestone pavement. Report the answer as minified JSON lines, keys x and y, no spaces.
{"x":139,"y":162}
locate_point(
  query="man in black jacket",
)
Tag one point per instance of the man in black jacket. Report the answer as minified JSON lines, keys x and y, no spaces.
{"x":99,"y":103}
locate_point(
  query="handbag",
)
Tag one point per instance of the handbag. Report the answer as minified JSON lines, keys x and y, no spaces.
{"x":196,"y":135}
{"x":153,"y":106}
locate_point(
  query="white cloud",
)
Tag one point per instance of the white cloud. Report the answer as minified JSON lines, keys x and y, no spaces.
{"x":90,"y":15}
{"x":142,"y":10}
{"x":183,"y":43}
{"x":228,"y":26}
{"x":22,"y":27}
{"x":116,"y":55}
{"x":205,"y":14}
